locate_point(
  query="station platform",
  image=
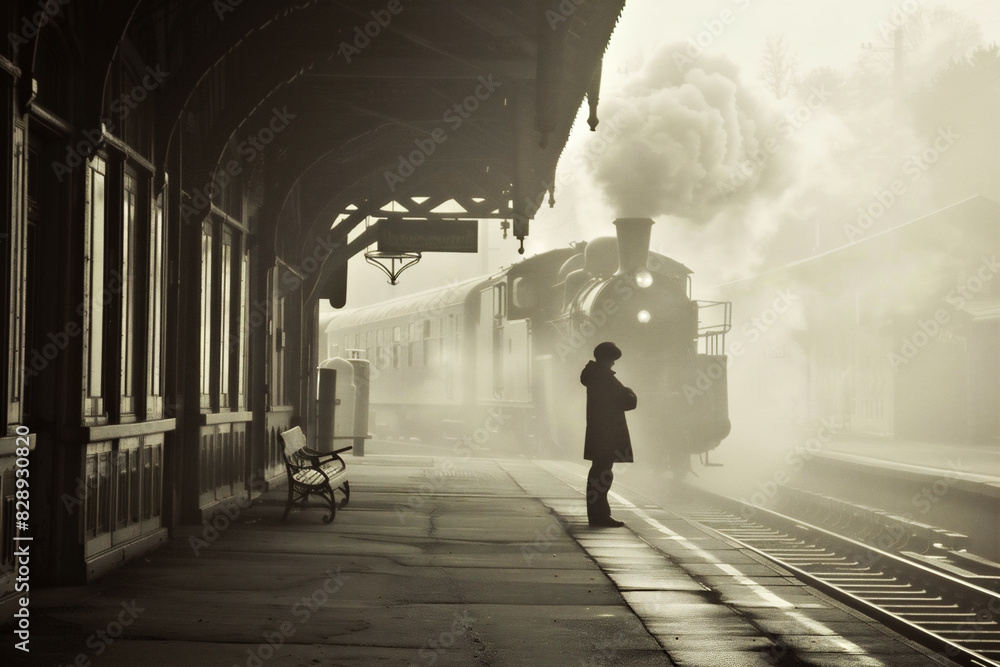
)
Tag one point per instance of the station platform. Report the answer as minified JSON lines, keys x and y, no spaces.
{"x":975,"y":468}
{"x":454,"y":561}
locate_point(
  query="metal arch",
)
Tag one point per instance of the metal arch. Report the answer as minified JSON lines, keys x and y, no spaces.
{"x":111,"y":23}
{"x":320,"y":164}
{"x":251,"y":22}
{"x":295,"y":89}
{"x":213,"y":153}
{"x":251,"y":17}
{"x":356,"y":192}
{"x":102,"y":32}
{"x":246,"y":105}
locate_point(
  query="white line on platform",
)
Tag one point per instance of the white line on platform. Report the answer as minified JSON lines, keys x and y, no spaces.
{"x":740,"y":578}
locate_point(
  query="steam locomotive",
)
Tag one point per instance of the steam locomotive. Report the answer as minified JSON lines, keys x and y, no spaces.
{"x":494,"y":362}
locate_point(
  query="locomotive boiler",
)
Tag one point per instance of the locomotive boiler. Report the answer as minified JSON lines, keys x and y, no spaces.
{"x":494,"y":362}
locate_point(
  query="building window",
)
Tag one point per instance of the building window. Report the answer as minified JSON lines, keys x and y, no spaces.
{"x":128,"y":293}
{"x":226,"y":311}
{"x":155,"y":314}
{"x":244,"y":333}
{"x":94,"y":284}
{"x":206,"y":310}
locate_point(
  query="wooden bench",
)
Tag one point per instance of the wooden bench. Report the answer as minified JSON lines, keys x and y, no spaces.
{"x":313,"y":473}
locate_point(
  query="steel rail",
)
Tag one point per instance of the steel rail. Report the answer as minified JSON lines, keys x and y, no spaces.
{"x":933,"y":608}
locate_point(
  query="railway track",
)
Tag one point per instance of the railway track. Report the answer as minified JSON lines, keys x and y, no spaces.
{"x":946,"y":613}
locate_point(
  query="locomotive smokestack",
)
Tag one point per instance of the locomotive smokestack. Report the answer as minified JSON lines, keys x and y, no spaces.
{"x":633,"y":243}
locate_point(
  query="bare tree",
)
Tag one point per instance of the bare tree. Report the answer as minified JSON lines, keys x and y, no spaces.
{"x":778,"y":65}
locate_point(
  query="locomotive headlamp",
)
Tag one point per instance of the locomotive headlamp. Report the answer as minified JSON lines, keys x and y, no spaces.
{"x":644,"y":279}
{"x":643,"y":316}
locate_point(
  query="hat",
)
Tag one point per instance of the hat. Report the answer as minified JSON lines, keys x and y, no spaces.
{"x":607,"y":350}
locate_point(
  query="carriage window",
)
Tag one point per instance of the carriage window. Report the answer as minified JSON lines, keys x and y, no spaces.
{"x":397,"y":348}
{"x":524,"y":293}
{"x":499,"y":300}
{"x":412,"y":349}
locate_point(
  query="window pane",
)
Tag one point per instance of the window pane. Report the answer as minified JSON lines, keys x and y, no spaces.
{"x":244,"y":315}
{"x":206,"y":308}
{"x":128,"y":292}
{"x":225,"y":346}
{"x":95,"y":277}
{"x":156,"y":279}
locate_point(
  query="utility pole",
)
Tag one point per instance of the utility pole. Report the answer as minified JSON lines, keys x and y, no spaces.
{"x":897,"y":61}
{"x":897,"y":58}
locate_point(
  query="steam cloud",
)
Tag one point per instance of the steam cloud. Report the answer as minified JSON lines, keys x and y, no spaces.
{"x":690,"y":140}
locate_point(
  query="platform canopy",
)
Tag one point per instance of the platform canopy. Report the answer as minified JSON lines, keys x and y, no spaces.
{"x":367,"y":106}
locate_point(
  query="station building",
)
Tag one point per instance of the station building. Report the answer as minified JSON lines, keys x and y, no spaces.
{"x":184,"y":182}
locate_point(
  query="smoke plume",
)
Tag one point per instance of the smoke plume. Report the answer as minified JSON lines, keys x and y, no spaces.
{"x":689,"y":140}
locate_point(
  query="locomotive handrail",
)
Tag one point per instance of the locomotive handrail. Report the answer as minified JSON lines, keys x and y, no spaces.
{"x":714,"y":335}
{"x":717,"y":328}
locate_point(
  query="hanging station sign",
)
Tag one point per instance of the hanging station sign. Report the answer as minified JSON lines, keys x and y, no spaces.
{"x":397,"y":235}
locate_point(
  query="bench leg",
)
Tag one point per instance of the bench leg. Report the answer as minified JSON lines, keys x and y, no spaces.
{"x":327,"y":495}
{"x":346,"y":488}
{"x":291,"y":499}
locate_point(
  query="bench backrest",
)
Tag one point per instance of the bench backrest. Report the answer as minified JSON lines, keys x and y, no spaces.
{"x":294,"y":440}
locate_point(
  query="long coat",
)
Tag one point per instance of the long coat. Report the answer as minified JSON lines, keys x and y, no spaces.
{"x":607,"y":436}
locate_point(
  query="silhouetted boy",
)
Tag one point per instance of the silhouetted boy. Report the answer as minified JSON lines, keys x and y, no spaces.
{"x":607,"y":438}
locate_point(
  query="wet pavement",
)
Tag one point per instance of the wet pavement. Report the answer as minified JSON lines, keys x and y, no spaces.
{"x":452,"y":561}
